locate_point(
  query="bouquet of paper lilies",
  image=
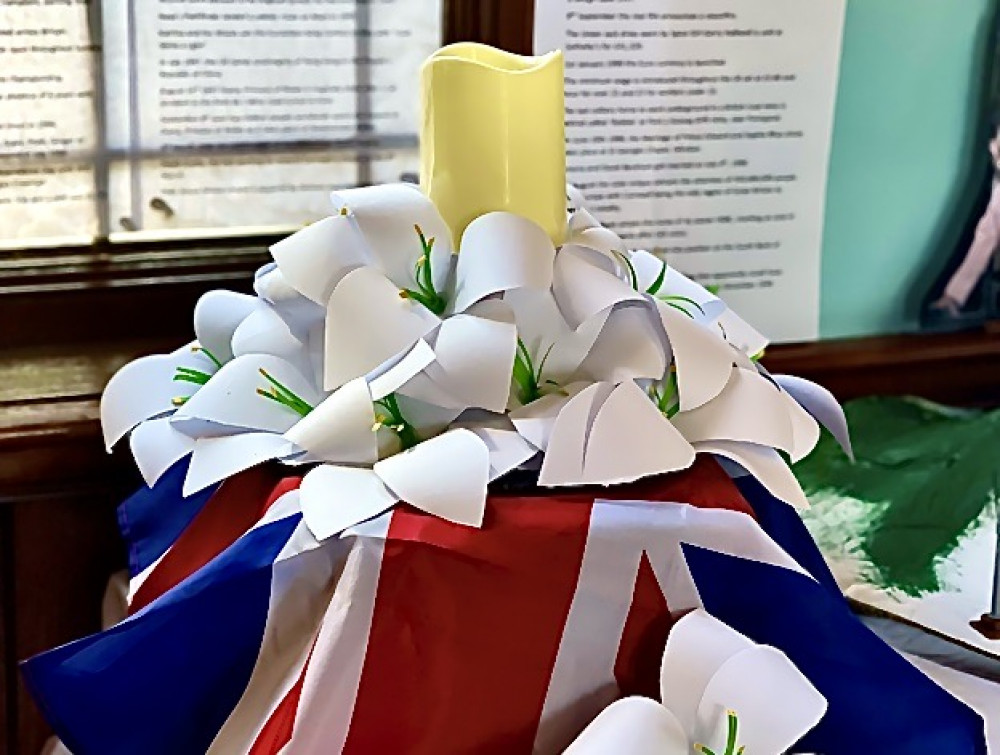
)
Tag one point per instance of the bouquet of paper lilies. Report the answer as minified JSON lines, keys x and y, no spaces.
{"x":376,"y":351}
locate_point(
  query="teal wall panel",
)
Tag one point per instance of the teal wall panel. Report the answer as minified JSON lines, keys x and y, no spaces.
{"x":908,"y":148}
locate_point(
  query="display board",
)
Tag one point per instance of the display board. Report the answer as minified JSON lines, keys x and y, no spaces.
{"x":701,"y":132}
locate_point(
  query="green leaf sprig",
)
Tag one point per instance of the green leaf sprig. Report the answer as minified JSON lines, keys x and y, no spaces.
{"x":425,"y":292}
{"x":666,"y":395}
{"x":633,"y":279}
{"x":392,"y":418}
{"x":678,"y":302}
{"x":527,"y":376}
{"x":191,"y":375}
{"x":731,"y":738}
{"x":281,"y":394}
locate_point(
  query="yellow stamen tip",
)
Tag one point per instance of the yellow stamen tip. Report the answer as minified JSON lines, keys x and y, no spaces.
{"x":178,"y":400}
{"x":404,"y":294}
{"x":344,"y":211}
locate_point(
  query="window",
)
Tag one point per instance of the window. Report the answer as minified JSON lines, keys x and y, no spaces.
{"x":138,"y":120}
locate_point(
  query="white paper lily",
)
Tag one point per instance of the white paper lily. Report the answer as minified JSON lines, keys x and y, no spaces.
{"x":721,"y":694}
{"x":445,"y":476}
{"x":155,"y":386}
{"x":383,"y":269}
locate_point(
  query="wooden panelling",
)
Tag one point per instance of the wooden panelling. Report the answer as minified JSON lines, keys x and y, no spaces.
{"x":506,"y":24}
{"x":962,"y":369}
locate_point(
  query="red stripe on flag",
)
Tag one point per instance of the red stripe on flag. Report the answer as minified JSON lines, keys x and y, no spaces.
{"x":467,"y":623}
{"x":236,"y":506}
{"x":466,"y":629}
{"x":637,"y":667}
{"x":277,"y":732}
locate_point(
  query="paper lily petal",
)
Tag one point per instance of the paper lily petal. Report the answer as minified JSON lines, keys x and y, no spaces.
{"x":334,"y":498}
{"x":763,"y":463}
{"x":393,"y":375}
{"x":156,"y":446}
{"x":445,"y":476}
{"x":368,"y":323}
{"x":542,"y":328}
{"x":647,"y":268}
{"x":501,"y":251}
{"x":581,"y":218}
{"x":776,"y":705}
{"x":710,"y":307}
{"x":386,"y":216}
{"x":216,"y":459}
{"x":632,"y":726}
{"x":629,"y":347}
{"x":265,"y":332}
{"x":315,"y":259}
{"x":697,"y":647}
{"x":575,"y":199}
{"x":534,"y":422}
{"x":301,"y":314}
{"x":704,"y":361}
{"x":230,"y":398}
{"x":822,"y":405}
{"x":428,"y":419}
{"x":475,"y":359}
{"x":508,"y":450}
{"x":805,"y":430}
{"x":564,"y":456}
{"x":583,"y":289}
{"x":216,"y":316}
{"x":340,"y":428}
{"x":630,"y":439}
{"x":741,"y":334}
{"x":146,"y":388}
{"x":750,"y":408}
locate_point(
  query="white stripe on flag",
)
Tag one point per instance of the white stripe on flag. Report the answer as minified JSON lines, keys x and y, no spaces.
{"x":330,"y":688}
{"x":136,"y":582}
{"x":302,"y":582}
{"x":583,"y":679}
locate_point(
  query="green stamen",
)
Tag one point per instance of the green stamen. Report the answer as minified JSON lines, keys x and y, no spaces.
{"x":731,"y":734}
{"x":632,"y":277}
{"x":655,"y":285}
{"x":666,"y":397}
{"x":280,"y":394}
{"x":673,"y":299}
{"x":426,"y":294}
{"x":198,"y":377}
{"x":731,"y":738}
{"x":527,"y":376}
{"x":209,"y":354}
{"x":188,"y":375}
{"x":394,"y":420}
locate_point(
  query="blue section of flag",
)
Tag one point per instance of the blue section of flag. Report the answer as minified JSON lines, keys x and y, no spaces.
{"x":784,"y":525}
{"x":153,"y":518}
{"x":165,"y":681}
{"x":878,"y":702}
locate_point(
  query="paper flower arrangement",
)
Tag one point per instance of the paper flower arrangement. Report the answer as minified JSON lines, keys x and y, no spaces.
{"x":410,"y":369}
{"x":718,"y":691}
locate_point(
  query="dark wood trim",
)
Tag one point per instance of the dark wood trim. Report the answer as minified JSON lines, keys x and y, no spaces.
{"x":129,"y":294}
{"x":961,"y":369}
{"x":506,"y":24}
